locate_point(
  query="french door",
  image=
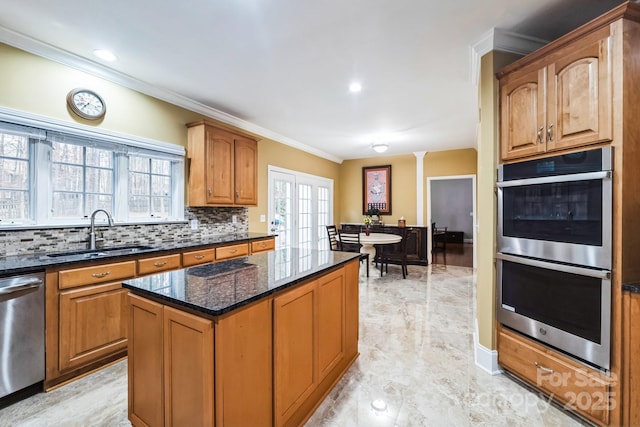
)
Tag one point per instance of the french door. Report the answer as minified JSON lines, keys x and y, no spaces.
{"x":300,"y":208}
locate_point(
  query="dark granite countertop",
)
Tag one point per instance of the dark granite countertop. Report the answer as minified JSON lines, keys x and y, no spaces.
{"x":18,"y":264}
{"x":631,"y":287}
{"x":221,"y":287}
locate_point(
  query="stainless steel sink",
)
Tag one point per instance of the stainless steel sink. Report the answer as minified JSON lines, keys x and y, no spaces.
{"x":97,"y":253}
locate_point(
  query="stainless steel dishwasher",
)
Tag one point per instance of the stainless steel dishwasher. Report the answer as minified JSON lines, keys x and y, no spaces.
{"x":21,"y":332}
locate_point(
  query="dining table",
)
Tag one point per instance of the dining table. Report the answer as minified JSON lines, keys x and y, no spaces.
{"x":368,"y":242}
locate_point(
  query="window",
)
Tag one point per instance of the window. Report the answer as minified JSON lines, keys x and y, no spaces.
{"x":14,"y":177}
{"x":48,"y":177}
{"x":149,"y":187}
{"x":81,"y":179}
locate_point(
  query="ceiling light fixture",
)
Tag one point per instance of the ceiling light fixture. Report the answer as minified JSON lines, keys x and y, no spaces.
{"x":355,"y":87}
{"x":380,"y":147}
{"x":105,"y":55}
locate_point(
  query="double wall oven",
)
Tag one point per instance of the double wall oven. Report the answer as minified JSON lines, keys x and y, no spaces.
{"x":554,"y":251}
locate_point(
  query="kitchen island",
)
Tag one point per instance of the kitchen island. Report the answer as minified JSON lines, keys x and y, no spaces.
{"x":259,"y":340}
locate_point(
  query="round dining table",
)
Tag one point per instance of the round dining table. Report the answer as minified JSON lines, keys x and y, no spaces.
{"x":376,"y":239}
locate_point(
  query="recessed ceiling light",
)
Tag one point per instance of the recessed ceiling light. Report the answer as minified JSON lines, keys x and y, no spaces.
{"x":105,"y":54}
{"x":355,"y":87}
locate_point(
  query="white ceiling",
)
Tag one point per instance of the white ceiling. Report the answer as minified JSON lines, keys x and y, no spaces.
{"x":281,"y":68}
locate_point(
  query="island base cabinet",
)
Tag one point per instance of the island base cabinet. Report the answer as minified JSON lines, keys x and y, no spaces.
{"x":170,"y":366}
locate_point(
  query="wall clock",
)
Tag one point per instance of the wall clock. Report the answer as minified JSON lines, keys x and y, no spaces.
{"x":86,"y":104}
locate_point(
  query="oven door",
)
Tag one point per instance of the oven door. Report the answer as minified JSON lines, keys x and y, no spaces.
{"x":564,"y":306}
{"x":565,"y":218}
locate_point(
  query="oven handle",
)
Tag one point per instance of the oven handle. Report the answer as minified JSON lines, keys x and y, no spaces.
{"x":599,"y":274}
{"x":556,"y":178}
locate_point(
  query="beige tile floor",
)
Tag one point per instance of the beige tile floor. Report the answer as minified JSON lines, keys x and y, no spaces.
{"x":416,"y":356}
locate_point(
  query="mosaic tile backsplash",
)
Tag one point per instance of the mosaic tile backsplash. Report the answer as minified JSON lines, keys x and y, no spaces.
{"x":211,"y":222}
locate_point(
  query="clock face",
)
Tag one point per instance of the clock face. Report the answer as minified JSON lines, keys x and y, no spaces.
{"x":86,"y":104}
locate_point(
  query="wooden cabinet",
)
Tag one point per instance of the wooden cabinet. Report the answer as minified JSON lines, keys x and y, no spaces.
{"x":198,"y":257}
{"x":223,"y":166}
{"x":158,"y":264}
{"x":580,"y":388}
{"x":93,"y":324}
{"x":263,"y":245}
{"x":312,"y":342}
{"x":631,"y":373}
{"x":417,"y":253}
{"x":561,"y":101}
{"x":232,"y":251}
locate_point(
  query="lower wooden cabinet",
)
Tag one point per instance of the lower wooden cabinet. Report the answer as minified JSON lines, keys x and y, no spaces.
{"x":312,"y":342}
{"x":631,"y":373}
{"x":93,"y":324}
{"x":580,"y":388}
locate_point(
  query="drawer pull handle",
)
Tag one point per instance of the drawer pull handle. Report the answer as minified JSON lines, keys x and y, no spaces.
{"x":198,"y":256}
{"x":101,"y":275}
{"x":160,"y":263}
{"x":263,"y":245}
{"x":540,"y":140}
{"x":233,"y":251}
{"x":543,"y":369}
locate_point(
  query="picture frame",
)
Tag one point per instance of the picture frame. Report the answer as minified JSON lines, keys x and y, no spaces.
{"x":376,"y":189}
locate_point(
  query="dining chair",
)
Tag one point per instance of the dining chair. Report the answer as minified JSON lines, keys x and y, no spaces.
{"x":395,"y":253}
{"x":438,"y":243}
{"x":350,"y":242}
{"x":332,"y":231}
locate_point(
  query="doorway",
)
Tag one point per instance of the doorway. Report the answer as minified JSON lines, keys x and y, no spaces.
{"x":300,"y":208}
{"x":451,"y":203}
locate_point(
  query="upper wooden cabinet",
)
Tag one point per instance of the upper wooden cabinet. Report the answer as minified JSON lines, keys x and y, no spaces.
{"x":223,"y":167}
{"x":561,"y":101}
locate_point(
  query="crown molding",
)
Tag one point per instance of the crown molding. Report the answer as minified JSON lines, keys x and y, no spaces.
{"x":500,"y":40}
{"x":72,"y":60}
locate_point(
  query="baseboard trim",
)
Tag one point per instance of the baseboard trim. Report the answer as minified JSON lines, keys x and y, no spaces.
{"x":485,"y":359}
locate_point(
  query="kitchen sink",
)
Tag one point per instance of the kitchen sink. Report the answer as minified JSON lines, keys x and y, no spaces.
{"x":97,"y":253}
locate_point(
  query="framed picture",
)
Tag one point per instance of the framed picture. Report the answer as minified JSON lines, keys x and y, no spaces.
{"x":376,"y":189}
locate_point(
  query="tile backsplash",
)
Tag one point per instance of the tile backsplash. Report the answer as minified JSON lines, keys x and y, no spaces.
{"x":211,"y":222}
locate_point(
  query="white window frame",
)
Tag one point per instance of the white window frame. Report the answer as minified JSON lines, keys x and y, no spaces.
{"x":41,"y":192}
{"x":315,"y":181}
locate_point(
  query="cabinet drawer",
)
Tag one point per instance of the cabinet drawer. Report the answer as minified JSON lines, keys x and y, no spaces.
{"x":581,"y":389}
{"x":96,"y":274}
{"x":232,"y":251}
{"x":263,"y":245}
{"x":157,"y":264}
{"x":198,"y":257}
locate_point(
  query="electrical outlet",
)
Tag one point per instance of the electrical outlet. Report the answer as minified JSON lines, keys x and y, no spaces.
{"x":263,"y":218}
{"x":234,"y":219}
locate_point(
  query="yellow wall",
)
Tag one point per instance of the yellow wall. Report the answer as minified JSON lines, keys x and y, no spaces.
{"x":448,"y":163}
{"x":403,"y":188}
{"x":487,"y":204}
{"x":403,"y":182}
{"x":40,"y":86}
{"x":273,"y":153}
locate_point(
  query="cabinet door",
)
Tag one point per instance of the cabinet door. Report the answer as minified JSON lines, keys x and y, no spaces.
{"x":219,"y":167}
{"x":331,"y":322}
{"x":579,"y":106}
{"x":522,"y":113}
{"x":188,"y":369}
{"x":93,"y":324}
{"x":145,"y":362}
{"x":294,"y":350}
{"x":244,"y":380}
{"x":246,"y":179}
{"x":632,"y":355}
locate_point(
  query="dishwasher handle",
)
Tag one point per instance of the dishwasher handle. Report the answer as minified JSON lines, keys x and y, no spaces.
{"x":19,"y":284}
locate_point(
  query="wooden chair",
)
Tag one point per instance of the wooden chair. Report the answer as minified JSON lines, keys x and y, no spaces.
{"x":350,"y":242}
{"x":438,"y":243}
{"x":332,"y":231}
{"x":395,"y":254}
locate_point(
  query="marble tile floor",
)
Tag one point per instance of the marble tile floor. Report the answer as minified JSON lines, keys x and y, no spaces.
{"x":416,"y":362}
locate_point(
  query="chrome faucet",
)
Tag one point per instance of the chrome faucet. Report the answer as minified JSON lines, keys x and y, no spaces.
{"x":92,"y":233}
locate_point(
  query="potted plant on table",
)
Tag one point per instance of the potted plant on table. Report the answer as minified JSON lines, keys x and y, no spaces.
{"x":367,"y":223}
{"x":374,"y":215}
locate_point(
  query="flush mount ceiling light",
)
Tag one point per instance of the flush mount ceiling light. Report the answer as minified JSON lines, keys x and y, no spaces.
{"x":104,"y":54}
{"x":355,"y":87}
{"x":380,"y":147}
